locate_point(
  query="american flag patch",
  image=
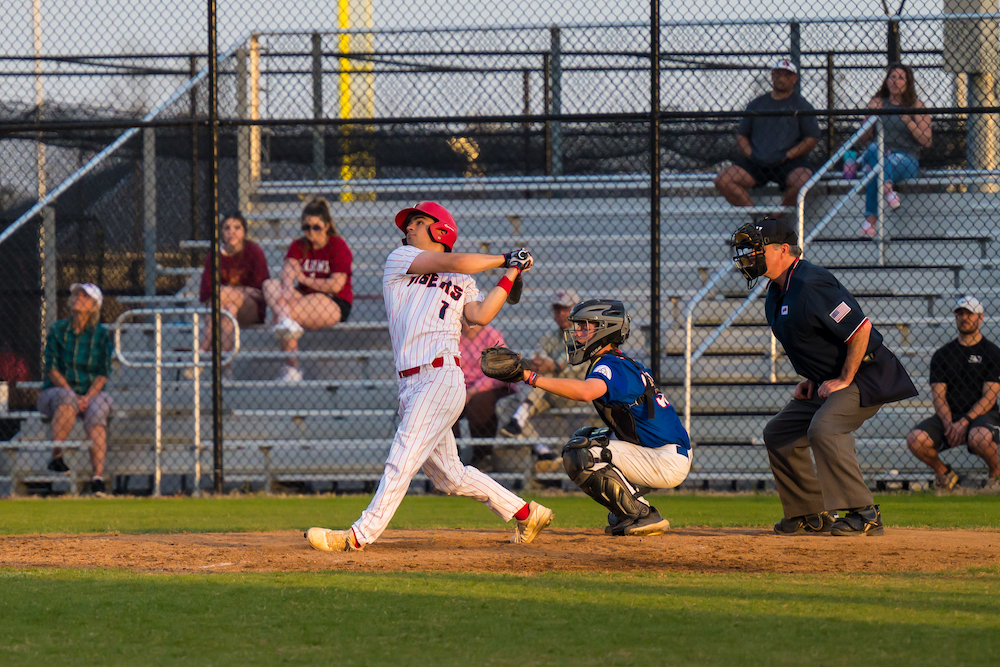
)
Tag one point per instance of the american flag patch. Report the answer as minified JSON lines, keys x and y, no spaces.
{"x":840,"y":312}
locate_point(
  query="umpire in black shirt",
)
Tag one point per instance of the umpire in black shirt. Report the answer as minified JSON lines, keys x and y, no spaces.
{"x":849,"y":376}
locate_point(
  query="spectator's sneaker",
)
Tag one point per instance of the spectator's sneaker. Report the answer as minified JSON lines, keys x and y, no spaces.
{"x":287,"y":329}
{"x":809,"y":524}
{"x":57,"y":464}
{"x":289,"y":374}
{"x":511,"y":430}
{"x":539,"y":516}
{"x":861,"y":521}
{"x":191,"y":371}
{"x":892,"y":199}
{"x":97,"y":487}
{"x":947,"y":481}
{"x":324,"y":539}
{"x":867,"y":230}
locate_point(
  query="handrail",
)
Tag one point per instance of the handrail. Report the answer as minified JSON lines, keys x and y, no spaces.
{"x":159,"y":365}
{"x":112,"y":147}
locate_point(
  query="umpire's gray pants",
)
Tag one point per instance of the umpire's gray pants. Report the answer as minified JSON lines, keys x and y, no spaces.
{"x":826,"y":425}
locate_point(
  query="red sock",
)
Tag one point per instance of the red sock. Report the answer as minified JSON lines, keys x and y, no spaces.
{"x":354,"y":538}
{"x":523,"y":513}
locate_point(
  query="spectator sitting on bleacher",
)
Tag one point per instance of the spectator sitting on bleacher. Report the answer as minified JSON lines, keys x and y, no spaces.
{"x":965,"y":381}
{"x":242,"y":272}
{"x":481,"y":392}
{"x":314,"y":291}
{"x":77,"y":367}
{"x":550,"y":359}
{"x":772,"y":148}
{"x":903,"y":135}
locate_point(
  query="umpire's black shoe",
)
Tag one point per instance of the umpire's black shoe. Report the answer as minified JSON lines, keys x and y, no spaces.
{"x":860,"y":521}
{"x":809,"y":524}
{"x":58,"y":465}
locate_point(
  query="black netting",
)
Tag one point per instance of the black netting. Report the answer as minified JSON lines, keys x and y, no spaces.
{"x":533,"y":131}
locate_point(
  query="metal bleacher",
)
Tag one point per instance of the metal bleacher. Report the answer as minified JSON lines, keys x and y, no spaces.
{"x":335,"y":427}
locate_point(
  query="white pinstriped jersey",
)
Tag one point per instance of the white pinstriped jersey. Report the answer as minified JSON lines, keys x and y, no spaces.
{"x":425,"y":311}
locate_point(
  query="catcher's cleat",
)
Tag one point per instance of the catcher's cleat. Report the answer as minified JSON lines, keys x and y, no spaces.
{"x":810,"y":524}
{"x":539,"y":517}
{"x":652,"y":523}
{"x":861,"y":521}
{"x":324,"y":539}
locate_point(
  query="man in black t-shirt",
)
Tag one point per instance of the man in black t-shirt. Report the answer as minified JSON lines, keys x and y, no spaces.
{"x":965,"y":380}
{"x":772,"y":148}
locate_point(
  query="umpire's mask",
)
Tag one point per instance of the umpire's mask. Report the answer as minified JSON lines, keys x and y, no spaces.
{"x":748,"y":246}
{"x":748,"y":253}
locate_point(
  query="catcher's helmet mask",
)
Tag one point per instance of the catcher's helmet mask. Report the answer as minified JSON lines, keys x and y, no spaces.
{"x":610,"y":327}
{"x":443,"y":230}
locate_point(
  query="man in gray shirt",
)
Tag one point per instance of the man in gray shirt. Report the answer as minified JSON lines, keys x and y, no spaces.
{"x":772,"y":148}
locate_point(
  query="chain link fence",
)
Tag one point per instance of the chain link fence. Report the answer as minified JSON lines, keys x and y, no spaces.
{"x":533,"y":131}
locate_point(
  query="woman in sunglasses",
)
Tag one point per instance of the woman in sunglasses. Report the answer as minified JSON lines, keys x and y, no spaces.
{"x":242,"y":272}
{"x":314,"y":291}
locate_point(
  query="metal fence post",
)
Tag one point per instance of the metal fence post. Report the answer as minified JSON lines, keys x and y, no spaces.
{"x":149,"y":207}
{"x":319,"y":144}
{"x":654,"y":188}
{"x":795,"y":50}
{"x":47,"y":249}
{"x":555,"y":73}
{"x":242,"y":135}
{"x":213,"y":208}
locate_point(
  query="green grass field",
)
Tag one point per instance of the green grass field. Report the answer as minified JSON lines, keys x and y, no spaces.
{"x":400,"y":618}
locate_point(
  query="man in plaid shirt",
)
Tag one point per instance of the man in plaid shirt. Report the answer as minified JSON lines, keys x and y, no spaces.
{"x":77,"y":366}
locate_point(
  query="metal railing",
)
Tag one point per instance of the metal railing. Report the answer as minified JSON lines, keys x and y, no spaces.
{"x":159,"y":364}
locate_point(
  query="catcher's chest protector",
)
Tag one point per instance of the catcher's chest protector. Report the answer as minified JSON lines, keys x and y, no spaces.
{"x":617,"y":416}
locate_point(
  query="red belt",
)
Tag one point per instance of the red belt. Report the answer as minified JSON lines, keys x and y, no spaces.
{"x":437,"y":363}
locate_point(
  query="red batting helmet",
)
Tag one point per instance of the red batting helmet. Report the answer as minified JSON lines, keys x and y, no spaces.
{"x":443,"y":231}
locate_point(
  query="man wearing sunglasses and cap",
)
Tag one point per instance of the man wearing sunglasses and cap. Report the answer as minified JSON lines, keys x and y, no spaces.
{"x":965,"y":381}
{"x":77,"y":367}
{"x":772,"y":148}
{"x":848,"y":375}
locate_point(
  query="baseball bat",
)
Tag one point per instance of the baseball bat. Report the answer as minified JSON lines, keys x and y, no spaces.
{"x":515,"y":291}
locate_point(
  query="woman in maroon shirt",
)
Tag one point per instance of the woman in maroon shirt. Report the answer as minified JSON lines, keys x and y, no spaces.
{"x":242,"y":272}
{"x":314,"y":291}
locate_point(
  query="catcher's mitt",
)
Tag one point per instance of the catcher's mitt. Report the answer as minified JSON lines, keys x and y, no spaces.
{"x":502,"y":364}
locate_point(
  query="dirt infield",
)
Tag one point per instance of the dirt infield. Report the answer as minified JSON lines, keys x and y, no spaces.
{"x":682,"y":550}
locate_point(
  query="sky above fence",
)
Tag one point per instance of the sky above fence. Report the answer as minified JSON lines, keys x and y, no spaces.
{"x":123,"y":26}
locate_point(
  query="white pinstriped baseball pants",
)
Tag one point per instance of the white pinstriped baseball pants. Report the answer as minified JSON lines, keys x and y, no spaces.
{"x":429,"y":403}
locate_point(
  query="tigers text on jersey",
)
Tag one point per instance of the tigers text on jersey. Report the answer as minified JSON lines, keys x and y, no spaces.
{"x":424,"y":311}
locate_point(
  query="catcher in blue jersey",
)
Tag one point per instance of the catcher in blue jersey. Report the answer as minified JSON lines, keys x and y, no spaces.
{"x":644,"y":445}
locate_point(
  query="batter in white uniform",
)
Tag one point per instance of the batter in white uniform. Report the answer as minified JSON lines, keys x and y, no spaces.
{"x":427,"y":290}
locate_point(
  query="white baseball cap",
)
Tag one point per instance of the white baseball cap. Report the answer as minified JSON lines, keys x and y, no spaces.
{"x":785,"y":64}
{"x":969,"y":303}
{"x":566,"y":298}
{"x":91,"y":290}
